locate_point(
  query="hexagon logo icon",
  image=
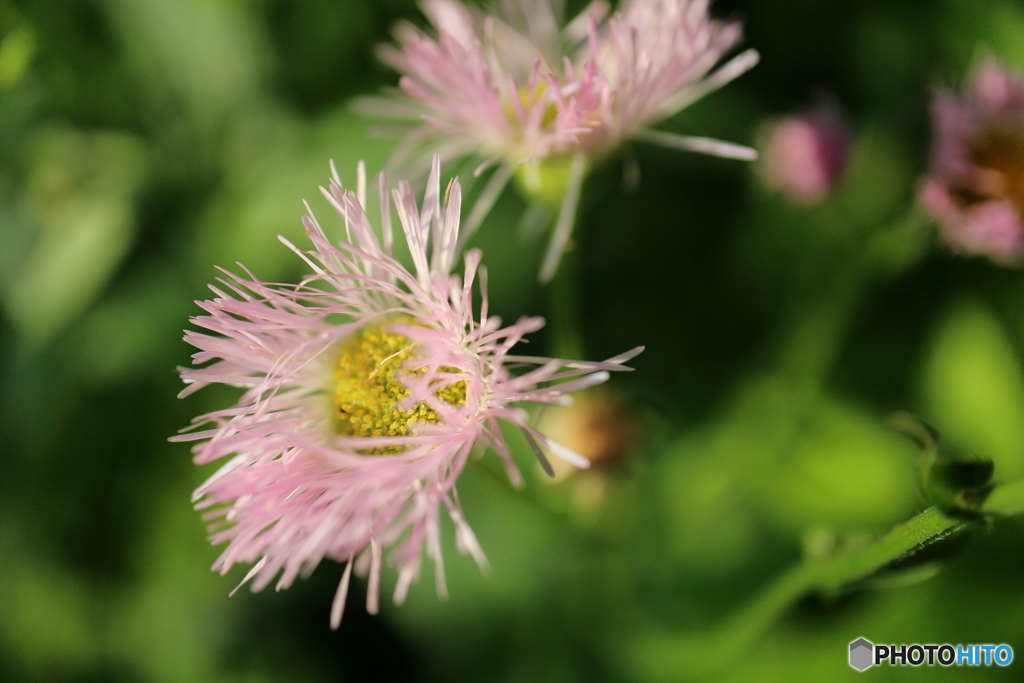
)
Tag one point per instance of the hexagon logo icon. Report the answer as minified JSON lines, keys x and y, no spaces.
{"x":861,"y":654}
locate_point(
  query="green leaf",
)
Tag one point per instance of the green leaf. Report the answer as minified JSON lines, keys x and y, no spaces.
{"x":974,"y":388}
{"x":80,"y":203}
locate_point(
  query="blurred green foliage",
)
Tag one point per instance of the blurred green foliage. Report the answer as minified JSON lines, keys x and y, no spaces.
{"x":142,"y":142}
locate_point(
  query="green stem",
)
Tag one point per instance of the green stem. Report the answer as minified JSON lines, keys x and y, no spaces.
{"x":707,"y":652}
{"x":827,"y":299}
{"x":567,"y":339}
{"x":822,"y":327}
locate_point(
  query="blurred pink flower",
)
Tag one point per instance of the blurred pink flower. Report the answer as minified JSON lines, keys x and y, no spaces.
{"x":519,"y":90}
{"x":805,"y":155}
{"x":367,"y":388}
{"x":976,"y":187}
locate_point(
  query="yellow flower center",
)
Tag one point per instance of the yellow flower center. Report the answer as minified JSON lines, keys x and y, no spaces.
{"x":368,"y":386}
{"x":528,"y":100}
{"x":1000,"y":155}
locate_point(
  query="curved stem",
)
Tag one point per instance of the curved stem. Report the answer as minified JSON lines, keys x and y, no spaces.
{"x":711,"y":650}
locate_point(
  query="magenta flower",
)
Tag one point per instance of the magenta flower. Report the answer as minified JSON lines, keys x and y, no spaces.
{"x":367,"y":388}
{"x":976,"y":187}
{"x":804,"y":155}
{"x":545,"y":101}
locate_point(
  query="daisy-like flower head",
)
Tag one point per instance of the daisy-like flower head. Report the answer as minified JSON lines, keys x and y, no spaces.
{"x":367,"y":388}
{"x":976,"y":186}
{"x":544,"y":101}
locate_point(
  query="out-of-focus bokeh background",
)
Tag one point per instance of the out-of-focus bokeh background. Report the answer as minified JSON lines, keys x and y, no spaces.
{"x":143,"y":142}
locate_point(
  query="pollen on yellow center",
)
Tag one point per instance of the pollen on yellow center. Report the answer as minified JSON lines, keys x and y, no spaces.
{"x":368,"y":386}
{"x":528,"y":99}
{"x":1001,"y":154}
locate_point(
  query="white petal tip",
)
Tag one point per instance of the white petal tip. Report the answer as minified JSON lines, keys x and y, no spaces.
{"x":568,"y":455}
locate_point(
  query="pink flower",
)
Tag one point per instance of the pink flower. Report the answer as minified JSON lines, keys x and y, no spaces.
{"x":804,"y":155}
{"x":976,"y":187}
{"x":547,"y":101}
{"x":367,"y":388}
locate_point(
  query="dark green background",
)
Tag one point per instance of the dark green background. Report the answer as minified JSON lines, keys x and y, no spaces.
{"x":142,"y":142}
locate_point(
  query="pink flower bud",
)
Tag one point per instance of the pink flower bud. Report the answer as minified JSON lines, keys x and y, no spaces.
{"x":804,"y":155}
